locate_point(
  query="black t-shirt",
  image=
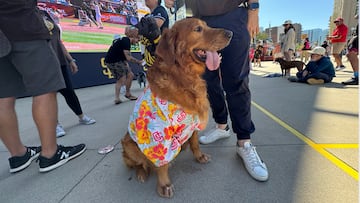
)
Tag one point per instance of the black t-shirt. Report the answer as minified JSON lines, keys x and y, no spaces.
{"x":116,"y":50}
{"x":20,"y":20}
{"x":160,"y":12}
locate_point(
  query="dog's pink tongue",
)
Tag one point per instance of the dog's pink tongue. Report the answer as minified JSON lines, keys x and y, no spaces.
{"x":212,"y":60}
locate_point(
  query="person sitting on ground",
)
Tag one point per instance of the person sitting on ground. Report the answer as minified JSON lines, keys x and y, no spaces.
{"x":319,"y":70}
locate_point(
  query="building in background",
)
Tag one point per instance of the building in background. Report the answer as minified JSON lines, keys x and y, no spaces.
{"x":275,"y":33}
{"x":316,"y":36}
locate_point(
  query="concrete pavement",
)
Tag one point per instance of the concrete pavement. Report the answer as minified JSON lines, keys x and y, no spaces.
{"x":307,"y":135}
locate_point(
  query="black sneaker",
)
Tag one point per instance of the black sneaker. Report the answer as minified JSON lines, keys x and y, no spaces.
{"x":18,"y":163}
{"x":351,"y":81}
{"x":62,"y":155}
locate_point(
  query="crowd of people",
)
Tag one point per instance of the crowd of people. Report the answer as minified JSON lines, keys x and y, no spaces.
{"x":317,"y":58}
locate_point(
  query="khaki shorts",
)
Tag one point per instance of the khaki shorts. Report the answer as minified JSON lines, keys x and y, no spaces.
{"x":31,"y":68}
{"x":119,"y":69}
{"x":337,"y":47}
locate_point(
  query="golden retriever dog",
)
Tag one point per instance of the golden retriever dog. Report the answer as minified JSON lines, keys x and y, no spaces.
{"x":174,"y":106}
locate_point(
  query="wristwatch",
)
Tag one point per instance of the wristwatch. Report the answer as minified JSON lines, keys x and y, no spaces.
{"x":253,"y":6}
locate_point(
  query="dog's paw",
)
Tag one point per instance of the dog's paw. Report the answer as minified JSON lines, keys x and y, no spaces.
{"x":203,"y":158}
{"x":166,"y":190}
{"x":142,"y":175}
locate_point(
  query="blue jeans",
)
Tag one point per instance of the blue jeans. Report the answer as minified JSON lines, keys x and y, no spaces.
{"x":318,"y":75}
{"x":234,"y":70}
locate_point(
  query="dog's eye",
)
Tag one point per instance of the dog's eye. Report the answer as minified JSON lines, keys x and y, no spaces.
{"x":198,"y":29}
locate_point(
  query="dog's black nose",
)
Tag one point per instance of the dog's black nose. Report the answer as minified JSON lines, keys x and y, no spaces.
{"x":228,"y":33}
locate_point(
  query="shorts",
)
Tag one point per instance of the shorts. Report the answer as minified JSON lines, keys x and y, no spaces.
{"x":119,"y":69}
{"x":337,"y":47}
{"x":31,"y":68}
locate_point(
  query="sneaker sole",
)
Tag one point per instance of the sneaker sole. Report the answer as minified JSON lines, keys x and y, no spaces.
{"x":90,"y":123}
{"x":62,"y":162}
{"x":14,"y":170}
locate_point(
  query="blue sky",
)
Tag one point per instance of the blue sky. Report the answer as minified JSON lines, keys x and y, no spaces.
{"x":309,"y":13}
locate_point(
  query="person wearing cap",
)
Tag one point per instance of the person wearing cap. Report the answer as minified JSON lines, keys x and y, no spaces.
{"x":288,"y":46}
{"x":338,"y":40}
{"x":353,"y":51}
{"x":319,"y":70}
{"x":117,"y":58}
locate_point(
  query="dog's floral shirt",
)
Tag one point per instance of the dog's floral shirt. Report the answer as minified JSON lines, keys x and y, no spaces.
{"x":160,"y":127}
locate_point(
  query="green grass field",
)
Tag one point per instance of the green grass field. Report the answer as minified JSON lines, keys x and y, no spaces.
{"x":87,"y":37}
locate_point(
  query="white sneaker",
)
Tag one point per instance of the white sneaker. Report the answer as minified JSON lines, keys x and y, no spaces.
{"x":86,"y":120}
{"x":214,"y":134}
{"x":253,"y":164}
{"x":339,"y":68}
{"x":60,"y":130}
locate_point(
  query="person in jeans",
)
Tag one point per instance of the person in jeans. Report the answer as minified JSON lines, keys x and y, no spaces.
{"x":29,"y":66}
{"x":241,"y":17}
{"x":319,"y":70}
{"x":66,"y":61}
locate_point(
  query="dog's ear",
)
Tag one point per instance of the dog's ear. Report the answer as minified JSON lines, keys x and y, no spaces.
{"x":166,"y":49}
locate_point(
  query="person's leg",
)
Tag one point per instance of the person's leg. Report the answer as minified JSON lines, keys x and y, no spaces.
{"x":288,"y":56}
{"x":118,"y":85}
{"x":69,"y":94}
{"x":128,"y":82}
{"x":337,"y":60}
{"x":9,"y":131}
{"x":44,"y":111}
{"x":234,"y":72}
{"x":354,"y":61}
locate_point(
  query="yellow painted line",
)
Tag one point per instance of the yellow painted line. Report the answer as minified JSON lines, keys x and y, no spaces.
{"x":338,"y":162}
{"x":342,"y":146}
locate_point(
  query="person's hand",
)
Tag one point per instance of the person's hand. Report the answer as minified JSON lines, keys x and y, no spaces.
{"x":169,"y":3}
{"x":73,"y":67}
{"x":253,"y":23}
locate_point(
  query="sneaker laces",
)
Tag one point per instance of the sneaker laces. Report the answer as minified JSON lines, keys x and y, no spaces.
{"x":252,"y":157}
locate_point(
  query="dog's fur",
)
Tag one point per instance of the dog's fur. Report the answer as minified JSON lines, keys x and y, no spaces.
{"x":287,"y":65}
{"x":176,"y":77}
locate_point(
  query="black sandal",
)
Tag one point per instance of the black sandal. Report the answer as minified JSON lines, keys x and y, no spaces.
{"x":131,"y":97}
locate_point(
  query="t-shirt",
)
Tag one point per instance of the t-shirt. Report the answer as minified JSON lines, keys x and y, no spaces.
{"x":116,"y":50}
{"x":161,"y":13}
{"x":20,"y":20}
{"x":201,"y":8}
{"x":341,"y":30}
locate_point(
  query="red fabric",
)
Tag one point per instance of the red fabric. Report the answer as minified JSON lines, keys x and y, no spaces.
{"x":342,"y":31}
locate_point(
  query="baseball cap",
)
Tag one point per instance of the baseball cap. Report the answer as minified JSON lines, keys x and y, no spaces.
{"x":338,"y":19}
{"x":318,"y":50}
{"x":287,"y":22}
